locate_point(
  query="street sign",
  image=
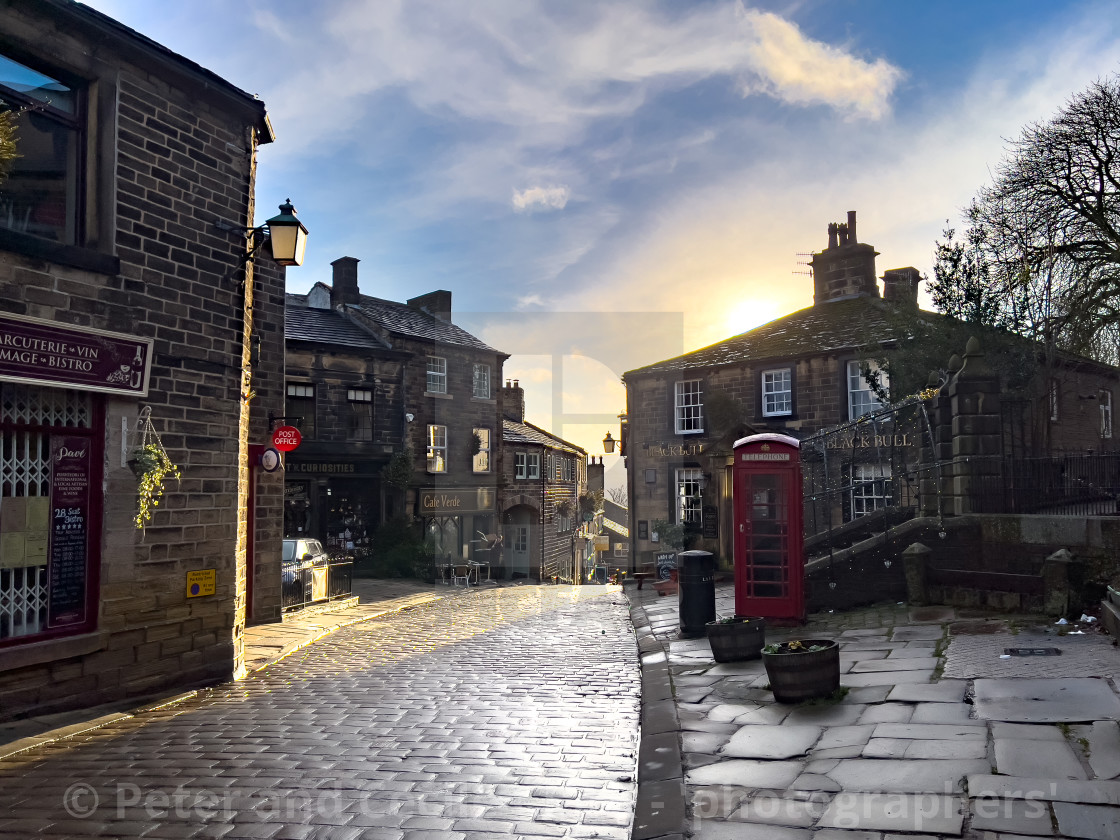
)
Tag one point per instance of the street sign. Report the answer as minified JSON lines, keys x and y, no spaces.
{"x":601,"y":543}
{"x":286,"y":438}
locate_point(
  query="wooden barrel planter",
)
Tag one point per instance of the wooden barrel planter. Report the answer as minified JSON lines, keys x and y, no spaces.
{"x":800,"y":675}
{"x":736,"y":640}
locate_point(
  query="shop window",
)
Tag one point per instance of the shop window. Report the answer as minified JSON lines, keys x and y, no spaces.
{"x":777,"y":393}
{"x":1106,"y":414}
{"x":360,"y":401}
{"x":643,"y":529}
{"x":688,"y":407}
{"x":437,"y":375}
{"x":622,"y":549}
{"x":688,"y":495}
{"x":870,"y":488}
{"x":437,"y":449}
{"x":41,"y":195}
{"x":861,"y":399}
{"x":50,"y":454}
{"x":480,"y":462}
{"x":299,"y":410}
{"x":482,"y":381}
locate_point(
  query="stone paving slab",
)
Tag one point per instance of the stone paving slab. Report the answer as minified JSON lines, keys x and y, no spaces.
{"x":1045,"y":700}
{"x":1051,"y":790}
{"x":1018,"y":757}
{"x":903,"y":748}
{"x":904,"y":776}
{"x":747,"y":773}
{"x":1103,"y":738}
{"x":939,"y":814}
{"x":945,"y":691}
{"x":1018,"y":816}
{"x":930,"y":731}
{"x":915,"y":663}
{"x":786,"y":741}
{"x":887,"y":678}
{"x":770,"y":809}
{"x":917,"y":633}
{"x":1093,"y":822}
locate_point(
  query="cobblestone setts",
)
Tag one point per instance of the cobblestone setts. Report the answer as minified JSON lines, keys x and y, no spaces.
{"x":506,"y":713}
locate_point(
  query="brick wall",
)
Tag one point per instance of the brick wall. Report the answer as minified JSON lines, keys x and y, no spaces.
{"x":182,"y":155}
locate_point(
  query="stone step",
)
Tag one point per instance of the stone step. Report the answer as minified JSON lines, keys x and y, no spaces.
{"x":1110,"y":613}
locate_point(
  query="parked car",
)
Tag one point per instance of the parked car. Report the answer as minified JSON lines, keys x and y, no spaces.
{"x":303,"y":572}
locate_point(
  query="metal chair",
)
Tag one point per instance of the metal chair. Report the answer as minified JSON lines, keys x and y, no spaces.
{"x":461,"y":573}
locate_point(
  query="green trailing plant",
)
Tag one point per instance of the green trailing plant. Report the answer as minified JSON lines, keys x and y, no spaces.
{"x":590,"y":504}
{"x":398,"y":472}
{"x":150,"y":463}
{"x":476,"y":443}
{"x":564,"y":507}
{"x":9,"y":142}
{"x":669,"y":534}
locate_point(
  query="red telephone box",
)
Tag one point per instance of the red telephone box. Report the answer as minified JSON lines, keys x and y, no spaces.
{"x":769,"y":568}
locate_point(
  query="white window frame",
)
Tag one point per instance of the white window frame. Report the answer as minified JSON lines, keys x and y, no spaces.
{"x":437,"y":448}
{"x":436,"y":382}
{"x":687,"y":483}
{"x":1105,"y":397}
{"x":480,"y":383}
{"x":777,"y":392}
{"x":532,"y":465}
{"x":688,"y":407}
{"x":870,"y":488}
{"x":480,"y":463}
{"x":861,"y":399}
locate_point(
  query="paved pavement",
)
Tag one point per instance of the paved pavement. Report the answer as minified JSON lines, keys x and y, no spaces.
{"x":500,"y":712}
{"x":937,"y":736}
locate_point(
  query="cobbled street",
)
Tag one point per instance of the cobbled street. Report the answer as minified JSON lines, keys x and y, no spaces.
{"x":508,"y":712}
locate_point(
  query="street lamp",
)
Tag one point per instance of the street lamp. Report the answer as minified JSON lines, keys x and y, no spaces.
{"x":608,"y":444}
{"x":287,"y":236}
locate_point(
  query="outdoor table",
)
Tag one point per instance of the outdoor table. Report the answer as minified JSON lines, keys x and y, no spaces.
{"x":477,"y":566}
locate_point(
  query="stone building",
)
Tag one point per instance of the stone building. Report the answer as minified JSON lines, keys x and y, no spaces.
{"x":543,"y":477}
{"x":369,"y":378}
{"x":121,"y":298}
{"x":798,"y":375}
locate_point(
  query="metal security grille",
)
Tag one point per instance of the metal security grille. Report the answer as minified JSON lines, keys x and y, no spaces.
{"x":27,"y":417}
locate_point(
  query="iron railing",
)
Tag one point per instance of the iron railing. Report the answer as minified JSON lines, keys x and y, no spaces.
{"x":298,"y":587}
{"x":1060,"y":485}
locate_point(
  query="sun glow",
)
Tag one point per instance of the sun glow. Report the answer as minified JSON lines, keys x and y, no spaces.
{"x":750,"y":313}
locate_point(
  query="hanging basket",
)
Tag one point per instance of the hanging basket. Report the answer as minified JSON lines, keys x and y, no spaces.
{"x":152,"y":466}
{"x":801,"y":673}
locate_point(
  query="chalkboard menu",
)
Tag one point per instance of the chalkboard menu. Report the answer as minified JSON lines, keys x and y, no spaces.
{"x":666,"y":563}
{"x":69,"y":529}
{"x":710,"y":522}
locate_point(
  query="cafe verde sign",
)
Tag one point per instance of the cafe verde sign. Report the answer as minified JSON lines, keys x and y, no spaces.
{"x":36,"y":351}
{"x":470,"y":500}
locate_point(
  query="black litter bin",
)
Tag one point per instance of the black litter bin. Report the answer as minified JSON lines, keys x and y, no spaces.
{"x":696,"y":591}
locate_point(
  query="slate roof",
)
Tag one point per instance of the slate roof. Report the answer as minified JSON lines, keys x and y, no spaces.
{"x":825,"y":328}
{"x":326,"y":326}
{"x":402,"y":319}
{"x":513,"y":432}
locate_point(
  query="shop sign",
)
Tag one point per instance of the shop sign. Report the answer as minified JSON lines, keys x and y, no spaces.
{"x":868,"y":441}
{"x":71,"y":460}
{"x":319,"y":467}
{"x":456,"y":501}
{"x":286,"y":438}
{"x":765,"y":456}
{"x":675,"y":450}
{"x":202,"y":582}
{"x":46,"y":352}
{"x":710,"y":518}
{"x":601,"y":543}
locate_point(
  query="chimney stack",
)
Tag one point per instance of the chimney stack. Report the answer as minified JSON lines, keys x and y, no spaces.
{"x":846,"y":268}
{"x":595,"y":475}
{"x":437,"y":304}
{"x":513,"y":402}
{"x":900,"y":285}
{"x":344,"y":282}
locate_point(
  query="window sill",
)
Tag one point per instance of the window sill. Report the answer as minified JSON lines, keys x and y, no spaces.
{"x":691,"y":432}
{"x":438,"y":396}
{"x":70,"y":255}
{"x":50,"y":650}
{"x":487,"y":400}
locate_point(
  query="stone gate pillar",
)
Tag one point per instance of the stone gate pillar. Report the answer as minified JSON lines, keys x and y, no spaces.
{"x":976,"y":430}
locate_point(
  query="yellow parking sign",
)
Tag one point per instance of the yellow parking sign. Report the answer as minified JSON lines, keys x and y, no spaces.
{"x":202,"y":582}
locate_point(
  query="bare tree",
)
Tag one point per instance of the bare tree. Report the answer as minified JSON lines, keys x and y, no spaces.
{"x":617,"y":495}
{"x":1047,"y":229}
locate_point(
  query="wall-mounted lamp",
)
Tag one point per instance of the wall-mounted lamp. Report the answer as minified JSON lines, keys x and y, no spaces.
{"x":702,"y":481}
{"x":408,"y":418}
{"x":608,"y":444}
{"x":286,"y":235}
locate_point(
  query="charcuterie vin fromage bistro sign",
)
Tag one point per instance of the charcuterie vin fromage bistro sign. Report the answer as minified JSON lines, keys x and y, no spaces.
{"x":37,"y":351}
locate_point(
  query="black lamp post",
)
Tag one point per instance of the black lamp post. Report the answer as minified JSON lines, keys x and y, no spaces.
{"x":608,"y":444}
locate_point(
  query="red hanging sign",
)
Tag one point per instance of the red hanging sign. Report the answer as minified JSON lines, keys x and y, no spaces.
{"x":286,"y":438}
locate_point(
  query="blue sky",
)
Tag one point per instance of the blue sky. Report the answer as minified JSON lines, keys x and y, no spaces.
{"x":605,"y":184}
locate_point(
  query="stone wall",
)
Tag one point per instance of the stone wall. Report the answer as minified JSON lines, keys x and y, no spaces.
{"x":180,"y":148}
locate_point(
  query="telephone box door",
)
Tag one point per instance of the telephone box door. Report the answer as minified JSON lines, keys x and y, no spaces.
{"x":769,"y":569}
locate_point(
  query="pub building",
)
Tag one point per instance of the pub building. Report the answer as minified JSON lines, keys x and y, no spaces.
{"x":124,"y":303}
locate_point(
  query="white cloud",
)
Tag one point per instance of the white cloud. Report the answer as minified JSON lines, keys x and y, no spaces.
{"x":540,"y":198}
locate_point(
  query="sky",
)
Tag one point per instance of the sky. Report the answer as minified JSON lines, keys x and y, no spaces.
{"x":603,"y":184}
